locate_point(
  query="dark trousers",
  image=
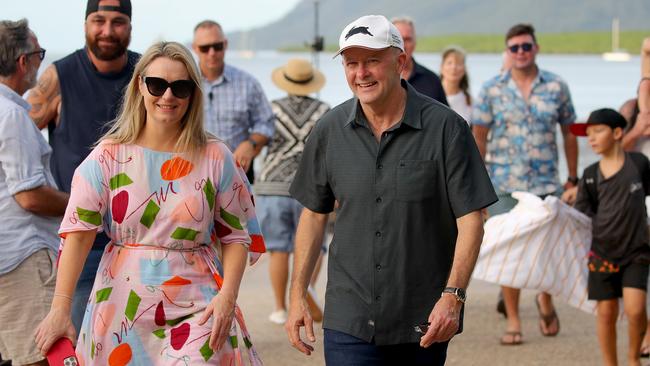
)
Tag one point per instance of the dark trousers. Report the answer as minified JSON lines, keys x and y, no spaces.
{"x":342,"y":349}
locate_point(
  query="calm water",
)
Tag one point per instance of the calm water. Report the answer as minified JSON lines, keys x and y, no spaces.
{"x":593,"y":82}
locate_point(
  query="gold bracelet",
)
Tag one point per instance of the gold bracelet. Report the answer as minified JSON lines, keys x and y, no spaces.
{"x":64,"y":296}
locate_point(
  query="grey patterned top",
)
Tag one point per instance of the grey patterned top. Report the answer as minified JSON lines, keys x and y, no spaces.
{"x":295,"y":117}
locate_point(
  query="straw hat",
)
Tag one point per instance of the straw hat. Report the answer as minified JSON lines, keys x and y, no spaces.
{"x":298,"y":77}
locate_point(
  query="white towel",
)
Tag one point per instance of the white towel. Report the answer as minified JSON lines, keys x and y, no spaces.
{"x":540,"y":245}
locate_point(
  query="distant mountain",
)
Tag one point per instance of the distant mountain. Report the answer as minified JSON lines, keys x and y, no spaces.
{"x":436,"y":17}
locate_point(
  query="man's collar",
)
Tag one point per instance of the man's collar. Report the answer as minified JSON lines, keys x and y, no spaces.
{"x":507,"y":75}
{"x":225,"y":77}
{"x":411,"y":117}
{"x":417,"y":68}
{"x":11,"y":94}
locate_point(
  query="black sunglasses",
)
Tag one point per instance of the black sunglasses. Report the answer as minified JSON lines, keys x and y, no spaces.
{"x":158,"y":86}
{"x":526,"y":47}
{"x":215,"y":46}
{"x":40,"y":52}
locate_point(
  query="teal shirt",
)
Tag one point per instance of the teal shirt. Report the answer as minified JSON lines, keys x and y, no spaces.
{"x":522,"y":152}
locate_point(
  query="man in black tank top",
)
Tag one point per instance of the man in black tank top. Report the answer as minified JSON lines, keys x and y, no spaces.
{"x":76,"y":98}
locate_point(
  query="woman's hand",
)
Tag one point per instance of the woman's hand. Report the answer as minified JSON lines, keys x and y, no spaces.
{"x":57,"y":324}
{"x":222,"y":308}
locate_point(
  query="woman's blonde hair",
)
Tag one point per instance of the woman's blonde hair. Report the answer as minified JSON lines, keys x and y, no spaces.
{"x":464,"y":81}
{"x":132,"y":116}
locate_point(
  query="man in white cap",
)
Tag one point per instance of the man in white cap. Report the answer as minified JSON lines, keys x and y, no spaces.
{"x":295,"y":117}
{"x":410,"y":184}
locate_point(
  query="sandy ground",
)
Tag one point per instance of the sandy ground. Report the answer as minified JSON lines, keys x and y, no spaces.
{"x":479,"y":344}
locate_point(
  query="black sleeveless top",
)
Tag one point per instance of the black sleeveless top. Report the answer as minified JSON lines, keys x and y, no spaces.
{"x":89,"y":100}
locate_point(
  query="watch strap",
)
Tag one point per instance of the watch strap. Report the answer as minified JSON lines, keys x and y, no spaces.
{"x":459,"y":293}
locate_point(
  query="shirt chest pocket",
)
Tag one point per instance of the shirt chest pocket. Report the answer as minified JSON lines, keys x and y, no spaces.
{"x":416,"y":180}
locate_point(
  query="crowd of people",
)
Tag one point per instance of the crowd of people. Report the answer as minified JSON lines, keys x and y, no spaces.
{"x":128,"y":231}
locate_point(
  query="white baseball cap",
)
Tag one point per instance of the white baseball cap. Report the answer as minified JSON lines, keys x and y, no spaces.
{"x":374,"y":32}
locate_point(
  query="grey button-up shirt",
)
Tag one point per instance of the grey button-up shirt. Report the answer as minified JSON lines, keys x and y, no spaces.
{"x":24,"y":165}
{"x":235,"y":107}
{"x":395,"y":234}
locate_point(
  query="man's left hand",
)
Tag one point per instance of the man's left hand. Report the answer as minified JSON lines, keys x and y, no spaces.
{"x":244,"y":155}
{"x":444,"y":319}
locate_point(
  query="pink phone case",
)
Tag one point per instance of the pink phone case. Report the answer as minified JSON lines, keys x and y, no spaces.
{"x":62,"y":353}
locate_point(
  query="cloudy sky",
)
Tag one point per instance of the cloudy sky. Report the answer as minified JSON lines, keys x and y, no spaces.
{"x":59,"y":24}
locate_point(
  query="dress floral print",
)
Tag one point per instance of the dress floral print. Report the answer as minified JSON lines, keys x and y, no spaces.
{"x":167,"y":216}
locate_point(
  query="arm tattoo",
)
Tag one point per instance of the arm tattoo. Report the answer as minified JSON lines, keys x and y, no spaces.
{"x":45,"y":98}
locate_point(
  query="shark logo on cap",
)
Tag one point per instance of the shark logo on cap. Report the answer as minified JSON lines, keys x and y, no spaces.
{"x":358,"y":30}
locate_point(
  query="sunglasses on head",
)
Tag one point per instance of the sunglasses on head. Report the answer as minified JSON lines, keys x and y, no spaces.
{"x":215,"y":46}
{"x":526,"y":47}
{"x":158,"y":86}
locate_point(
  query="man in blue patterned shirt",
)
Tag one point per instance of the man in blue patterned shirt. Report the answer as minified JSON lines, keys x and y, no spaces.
{"x":514,"y":124}
{"x":236,"y":109}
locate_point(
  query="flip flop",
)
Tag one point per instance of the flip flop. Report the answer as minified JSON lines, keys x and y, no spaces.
{"x":546,"y":320}
{"x":515,"y":338}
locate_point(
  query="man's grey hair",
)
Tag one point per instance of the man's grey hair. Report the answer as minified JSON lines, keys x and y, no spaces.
{"x":403,"y":19}
{"x":14,"y":41}
{"x":208,"y":24}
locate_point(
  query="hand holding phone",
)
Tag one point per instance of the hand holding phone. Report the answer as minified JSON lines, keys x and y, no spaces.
{"x":62,"y":353}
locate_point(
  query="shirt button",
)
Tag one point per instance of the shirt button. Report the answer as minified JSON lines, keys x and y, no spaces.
{"x":378,"y":200}
{"x":378,"y":267}
{"x":379,"y":166}
{"x":377,"y":297}
{"x":378,"y":234}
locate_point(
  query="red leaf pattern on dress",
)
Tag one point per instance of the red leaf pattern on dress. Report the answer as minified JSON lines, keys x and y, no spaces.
{"x":179,"y":335}
{"x":119,"y":206}
{"x":160,"y":315}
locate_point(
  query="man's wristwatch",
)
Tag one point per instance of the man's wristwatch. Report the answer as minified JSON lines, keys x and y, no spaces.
{"x":459,"y":293}
{"x":572,"y":180}
{"x":253,"y":142}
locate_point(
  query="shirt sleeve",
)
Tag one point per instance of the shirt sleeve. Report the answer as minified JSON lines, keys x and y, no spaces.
{"x":20,"y":153}
{"x":645,"y":176}
{"x":234,"y":213}
{"x":262,"y":120}
{"x":311,"y":186}
{"x":583,"y":204}
{"x":468,"y":185}
{"x":89,"y":194}
{"x":566,"y":112}
{"x":482,"y":109}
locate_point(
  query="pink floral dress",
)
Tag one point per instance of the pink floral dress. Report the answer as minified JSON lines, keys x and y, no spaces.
{"x":167,"y":216}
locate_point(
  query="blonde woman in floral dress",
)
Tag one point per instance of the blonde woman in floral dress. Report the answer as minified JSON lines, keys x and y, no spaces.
{"x":181,"y":219}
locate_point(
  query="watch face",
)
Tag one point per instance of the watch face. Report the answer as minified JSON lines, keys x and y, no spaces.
{"x":458,"y":292}
{"x":461,"y":294}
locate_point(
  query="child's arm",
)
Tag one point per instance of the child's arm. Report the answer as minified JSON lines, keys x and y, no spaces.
{"x":569,"y":196}
{"x":582,"y":201}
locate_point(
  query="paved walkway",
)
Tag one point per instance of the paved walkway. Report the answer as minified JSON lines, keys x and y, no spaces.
{"x":576,"y":345}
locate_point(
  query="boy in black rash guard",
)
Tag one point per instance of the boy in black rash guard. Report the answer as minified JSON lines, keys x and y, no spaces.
{"x":612,"y":191}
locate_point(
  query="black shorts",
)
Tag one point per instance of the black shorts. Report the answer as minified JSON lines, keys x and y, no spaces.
{"x":609,"y":285}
